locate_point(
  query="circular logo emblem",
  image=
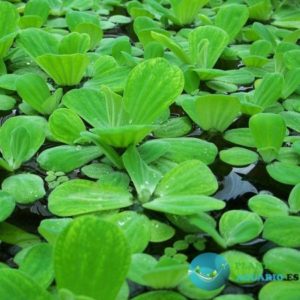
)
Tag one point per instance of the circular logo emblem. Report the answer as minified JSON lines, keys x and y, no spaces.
{"x":209,"y":271}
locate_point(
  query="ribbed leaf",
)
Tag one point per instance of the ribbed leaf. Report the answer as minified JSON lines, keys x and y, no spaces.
{"x":278,"y":290}
{"x":185,"y":11}
{"x":284,"y":172}
{"x":101,"y":272}
{"x":37,"y":42}
{"x":213,"y":112}
{"x":34,"y":91}
{"x":191,"y":177}
{"x":74,"y":43}
{"x":269,"y":90}
{"x":67,"y":69}
{"x":262,"y":127}
{"x":8,"y":18}
{"x":146,"y":97}
{"x":25,"y":188}
{"x":240,"y":226}
{"x":206,"y":44}
{"x":237,"y":156}
{"x":179,"y":150}
{"x":123,"y":136}
{"x":79,"y":196}
{"x":294,"y":199}
{"x":65,"y":125}
{"x":13,"y":150}
{"x":67,"y":158}
{"x":18,"y":286}
{"x":232,"y":18}
{"x":144,"y":177}
{"x":7,"y":205}
{"x":185,"y":205}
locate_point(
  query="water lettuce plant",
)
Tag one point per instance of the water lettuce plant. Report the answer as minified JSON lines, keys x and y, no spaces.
{"x":137,"y":135}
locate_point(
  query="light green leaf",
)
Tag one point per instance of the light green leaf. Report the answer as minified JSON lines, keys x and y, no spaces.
{"x":136,"y":227}
{"x":283,"y":230}
{"x":237,"y":156}
{"x":25,"y":188}
{"x":206,"y":44}
{"x":7,"y":205}
{"x":191,"y":177}
{"x":18,"y":286}
{"x":67,"y":158}
{"x":240,"y":226}
{"x":267,"y":143}
{"x":284,"y":172}
{"x":160,"y":232}
{"x":268,"y":206}
{"x":244,"y":268}
{"x":80,"y":196}
{"x":65,"y":125}
{"x":240,"y":136}
{"x":160,"y":295}
{"x":103,"y":264}
{"x":278,"y":290}
{"x":213,"y":112}
{"x":155,"y":93}
{"x":232,"y":18}
{"x":294,"y":199}
{"x":144,"y":177}
{"x":282,"y":261}
{"x":38,"y":264}
{"x":185,"y":205}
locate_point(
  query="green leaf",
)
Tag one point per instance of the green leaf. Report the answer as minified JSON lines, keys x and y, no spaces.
{"x":103,"y":262}
{"x":74,"y":43}
{"x":67,"y":69}
{"x":155,"y":93}
{"x":213,"y":112}
{"x":144,"y":177}
{"x":167,"y":273}
{"x":38,"y":264}
{"x":179,"y":150}
{"x":7,"y":205}
{"x":185,"y":11}
{"x":34,"y":91}
{"x":283,"y":230}
{"x":96,"y":170}
{"x":240,"y":226}
{"x":160,"y":295}
{"x":232,"y":18}
{"x":282,"y":261}
{"x":174,"y":127}
{"x":206,"y":44}
{"x":268,"y":206}
{"x":7,"y":103}
{"x":294,"y":199}
{"x":267,"y":143}
{"x":18,"y":286}
{"x":240,"y":136}
{"x":234,"y":297}
{"x":136,"y":227}
{"x":185,"y":205}
{"x":291,"y":119}
{"x":191,"y":177}
{"x":50,"y":229}
{"x":161,"y":232}
{"x":20,"y":138}
{"x":67,"y":158}
{"x":95,"y":107}
{"x":191,"y":291}
{"x":284,"y":173}
{"x":123,"y":136}
{"x":25,"y":188}
{"x":237,"y":156}
{"x":13,"y":235}
{"x":278,"y":290}
{"x":172,"y":45}
{"x":80,"y":196}
{"x":65,"y":125}
{"x":269,"y":90}
{"x":244,"y":268}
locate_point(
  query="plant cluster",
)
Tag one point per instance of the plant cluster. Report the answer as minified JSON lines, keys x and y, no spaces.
{"x":135,"y":135}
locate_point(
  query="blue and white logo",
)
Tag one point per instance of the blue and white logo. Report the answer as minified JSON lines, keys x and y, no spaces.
{"x":209,"y":271}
